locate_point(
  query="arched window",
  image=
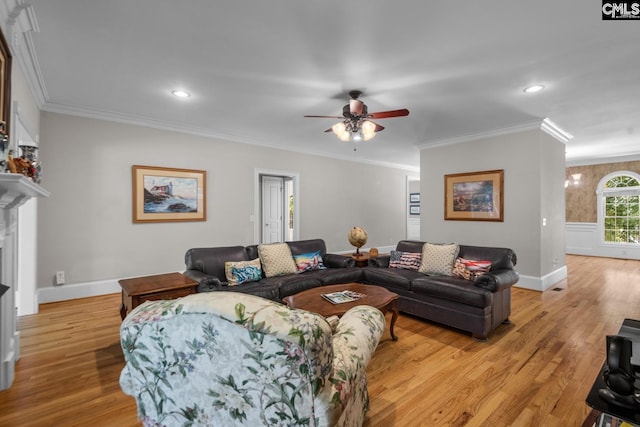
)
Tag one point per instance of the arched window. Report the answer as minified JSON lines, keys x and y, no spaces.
{"x":619,"y":208}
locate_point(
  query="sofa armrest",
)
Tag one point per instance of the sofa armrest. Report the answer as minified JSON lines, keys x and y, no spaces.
{"x":381,"y":261}
{"x":206,"y":282}
{"x":338,"y":261}
{"x":355,"y":339}
{"x":497,"y":280}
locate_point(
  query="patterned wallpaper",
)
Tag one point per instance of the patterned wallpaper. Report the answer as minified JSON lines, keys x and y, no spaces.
{"x":581,"y":198}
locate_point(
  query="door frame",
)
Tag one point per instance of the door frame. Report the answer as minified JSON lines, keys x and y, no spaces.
{"x":257,"y":188}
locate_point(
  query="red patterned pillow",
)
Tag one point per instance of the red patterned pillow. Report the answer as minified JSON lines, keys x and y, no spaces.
{"x":470,"y":269}
{"x":406,"y":260}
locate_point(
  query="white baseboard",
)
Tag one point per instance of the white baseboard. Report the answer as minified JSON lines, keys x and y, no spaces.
{"x":542,"y":283}
{"x":79,"y":290}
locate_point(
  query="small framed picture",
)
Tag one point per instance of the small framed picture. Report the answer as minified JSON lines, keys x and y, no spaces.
{"x":414,"y":197}
{"x":414,"y":209}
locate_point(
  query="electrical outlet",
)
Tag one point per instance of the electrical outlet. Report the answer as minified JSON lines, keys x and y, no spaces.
{"x":59,"y":277}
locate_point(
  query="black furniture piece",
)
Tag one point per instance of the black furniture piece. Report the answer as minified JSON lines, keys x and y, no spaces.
{"x":612,"y":377}
{"x":478,"y":306}
{"x":206,"y":266}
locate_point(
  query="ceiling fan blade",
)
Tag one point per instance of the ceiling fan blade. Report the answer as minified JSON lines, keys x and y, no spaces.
{"x":378,"y":127}
{"x":326,"y":117}
{"x":389,"y":114}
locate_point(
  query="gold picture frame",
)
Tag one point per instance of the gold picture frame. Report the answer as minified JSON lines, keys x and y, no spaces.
{"x":474,"y":196}
{"x":169,"y":194}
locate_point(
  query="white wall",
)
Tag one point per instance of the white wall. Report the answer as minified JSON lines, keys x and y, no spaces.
{"x":585,"y":238}
{"x":85,"y":227}
{"x":533,"y":164}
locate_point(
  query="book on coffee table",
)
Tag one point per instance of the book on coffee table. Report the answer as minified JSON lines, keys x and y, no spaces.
{"x":342,"y":296}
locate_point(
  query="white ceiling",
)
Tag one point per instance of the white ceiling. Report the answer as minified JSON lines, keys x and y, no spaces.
{"x":255,"y":68}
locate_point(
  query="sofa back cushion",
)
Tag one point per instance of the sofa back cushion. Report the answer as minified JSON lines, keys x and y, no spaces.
{"x":305,"y":246}
{"x":211,"y":260}
{"x":410,"y":246}
{"x":501,"y":258}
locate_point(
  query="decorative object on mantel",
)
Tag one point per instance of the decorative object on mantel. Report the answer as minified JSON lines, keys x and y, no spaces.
{"x":4,"y":148}
{"x":358,"y":238}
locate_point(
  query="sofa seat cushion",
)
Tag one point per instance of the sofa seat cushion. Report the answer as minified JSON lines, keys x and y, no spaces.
{"x":260,"y":289}
{"x":453,"y":289}
{"x":292,"y":284}
{"x":389,"y":277}
{"x":334,"y":276}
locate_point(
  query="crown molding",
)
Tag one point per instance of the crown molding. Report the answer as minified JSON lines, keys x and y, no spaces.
{"x":545,"y":125}
{"x":555,"y":131}
{"x":588,"y":161}
{"x":19,"y":22}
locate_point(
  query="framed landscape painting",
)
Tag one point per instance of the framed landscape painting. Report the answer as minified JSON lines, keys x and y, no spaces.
{"x":474,"y":196}
{"x":168,"y":194}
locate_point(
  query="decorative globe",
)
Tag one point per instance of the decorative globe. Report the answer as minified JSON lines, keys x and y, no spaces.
{"x":357,"y":237}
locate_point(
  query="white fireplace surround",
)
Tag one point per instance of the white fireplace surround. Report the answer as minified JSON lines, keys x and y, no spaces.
{"x":15,"y":190}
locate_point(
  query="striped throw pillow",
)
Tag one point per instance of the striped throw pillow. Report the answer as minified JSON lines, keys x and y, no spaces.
{"x":406,"y":260}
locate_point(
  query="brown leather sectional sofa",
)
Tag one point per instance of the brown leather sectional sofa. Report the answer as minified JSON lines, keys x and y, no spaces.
{"x":477,"y":306}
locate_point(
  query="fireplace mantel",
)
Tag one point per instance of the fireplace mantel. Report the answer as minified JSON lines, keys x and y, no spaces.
{"x":15,"y":190}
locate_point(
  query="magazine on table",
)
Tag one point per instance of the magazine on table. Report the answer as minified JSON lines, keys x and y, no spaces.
{"x":343,"y":296}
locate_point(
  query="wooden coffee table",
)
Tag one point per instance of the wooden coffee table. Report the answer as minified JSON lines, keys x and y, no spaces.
{"x":376,"y":296}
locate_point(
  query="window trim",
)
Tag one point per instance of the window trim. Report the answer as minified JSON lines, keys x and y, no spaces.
{"x":602,"y":193}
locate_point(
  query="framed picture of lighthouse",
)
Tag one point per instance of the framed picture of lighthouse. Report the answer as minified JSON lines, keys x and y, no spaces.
{"x":168,"y":194}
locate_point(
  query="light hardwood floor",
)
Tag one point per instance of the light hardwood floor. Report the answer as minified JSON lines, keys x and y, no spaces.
{"x":535,"y":372}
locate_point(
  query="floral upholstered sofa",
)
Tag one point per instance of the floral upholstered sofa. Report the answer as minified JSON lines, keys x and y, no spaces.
{"x":236,"y":359}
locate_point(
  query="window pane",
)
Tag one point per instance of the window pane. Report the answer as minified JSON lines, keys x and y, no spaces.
{"x":621,"y":221}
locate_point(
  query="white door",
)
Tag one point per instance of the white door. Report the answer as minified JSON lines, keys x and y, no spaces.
{"x":272,"y":209}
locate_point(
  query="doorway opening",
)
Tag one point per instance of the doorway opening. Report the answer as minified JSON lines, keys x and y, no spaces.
{"x":276,"y":213}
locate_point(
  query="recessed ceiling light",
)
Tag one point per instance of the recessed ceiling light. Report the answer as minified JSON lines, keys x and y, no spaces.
{"x":181,"y":93}
{"x":533,"y":89}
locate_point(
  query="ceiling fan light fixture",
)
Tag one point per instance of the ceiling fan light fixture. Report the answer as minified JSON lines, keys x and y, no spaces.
{"x":339,"y":128}
{"x":345,"y":136}
{"x":368,"y":130}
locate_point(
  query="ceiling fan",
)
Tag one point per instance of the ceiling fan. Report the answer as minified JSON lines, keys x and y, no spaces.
{"x":356,"y":124}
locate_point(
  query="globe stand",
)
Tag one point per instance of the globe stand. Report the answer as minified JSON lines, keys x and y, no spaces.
{"x":357,"y":253}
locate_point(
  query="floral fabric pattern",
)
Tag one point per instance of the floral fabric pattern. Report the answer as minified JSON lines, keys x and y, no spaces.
{"x":225,"y":358}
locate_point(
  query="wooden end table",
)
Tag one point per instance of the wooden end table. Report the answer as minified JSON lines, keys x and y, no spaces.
{"x":376,"y":296}
{"x":150,"y":288}
{"x":361,"y":258}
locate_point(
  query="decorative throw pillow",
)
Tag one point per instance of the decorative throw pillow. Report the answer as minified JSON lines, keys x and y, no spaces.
{"x":309,"y":261}
{"x":276,"y":259}
{"x":470,"y":269}
{"x":406,"y":260}
{"x":242,"y":271}
{"x":438,"y":260}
